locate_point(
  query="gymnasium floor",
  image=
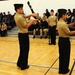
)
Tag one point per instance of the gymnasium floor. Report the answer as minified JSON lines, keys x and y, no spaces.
{"x":43,"y":58}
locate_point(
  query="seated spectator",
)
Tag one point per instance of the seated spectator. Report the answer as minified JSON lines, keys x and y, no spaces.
{"x":38,"y":27}
{"x":3,"y":29}
{"x":69,"y":16}
{"x":44,"y":25}
{"x":0,"y":27}
{"x":73,"y":16}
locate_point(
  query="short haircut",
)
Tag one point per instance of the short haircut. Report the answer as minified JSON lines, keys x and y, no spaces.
{"x":52,"y":10}
{"x":17,"y":6}
{"x":62,"y":12}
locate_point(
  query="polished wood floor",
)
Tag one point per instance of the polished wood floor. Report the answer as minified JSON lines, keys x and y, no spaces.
{"x":43,"y":58}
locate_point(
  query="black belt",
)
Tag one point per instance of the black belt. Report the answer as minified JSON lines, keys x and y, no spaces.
{"x":52,"y":26}
{"x":64,"y":37}
{"x":22,"y":33}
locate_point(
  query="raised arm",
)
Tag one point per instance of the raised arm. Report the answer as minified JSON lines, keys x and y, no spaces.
{"x":31,"y":15}
{"x":71,"y":24}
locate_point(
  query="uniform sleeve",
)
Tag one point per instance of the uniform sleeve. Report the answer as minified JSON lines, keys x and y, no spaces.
{"x":22,"y":21}
{"x":48,"y":19}
{"x":56,"y":19}
{"x":66,"y":29}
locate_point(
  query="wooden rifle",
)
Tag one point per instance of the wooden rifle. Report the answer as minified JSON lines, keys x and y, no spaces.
{"x":33,"y":12}
{"x":31,"y":8}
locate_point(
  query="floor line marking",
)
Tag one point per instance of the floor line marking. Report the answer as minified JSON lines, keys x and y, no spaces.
{"x":5,"y":61}
{"x":51,"y":66}
{"x":4,"y":71}
{"x":36,"y":48}
{"x":44,"y":55}
{"x":31,"y":65}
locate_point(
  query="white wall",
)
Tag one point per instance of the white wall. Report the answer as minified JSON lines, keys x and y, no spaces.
{"x":38,"y":5}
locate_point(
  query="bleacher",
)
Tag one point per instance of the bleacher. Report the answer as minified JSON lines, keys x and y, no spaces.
{"x":9,"y":21}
